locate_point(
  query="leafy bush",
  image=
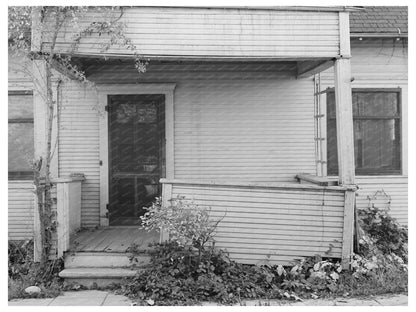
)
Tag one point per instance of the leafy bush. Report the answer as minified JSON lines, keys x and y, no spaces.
{"x":23,"y":272}
{"x":188,"y":224}
{"x":374,"y":275}
{"x":382,"y":232}
{"x":381,"y":265}
{"x":179,"y":275}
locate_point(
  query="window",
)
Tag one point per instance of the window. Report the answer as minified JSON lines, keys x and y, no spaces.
{"x":21,"y":141}
{"x":377,"y":143}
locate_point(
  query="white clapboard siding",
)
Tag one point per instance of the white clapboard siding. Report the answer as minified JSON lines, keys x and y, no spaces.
{"x":271,"y":223}
{"x":244,"y":130}
{"x":20,"y":210}
{"x":213,"y":32}
{"x":396,"y":187}
{"x":237,"y":123}
{"x":79,"y":145}
{"x":381,"y":63}
{"x":376,"y":63}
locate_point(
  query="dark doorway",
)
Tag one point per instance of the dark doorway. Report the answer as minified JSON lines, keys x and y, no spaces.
{"x":136,"y":154}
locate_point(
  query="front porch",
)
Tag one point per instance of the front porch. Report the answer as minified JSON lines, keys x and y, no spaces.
{"x":230,"y":131}
{"x":116,"y":239}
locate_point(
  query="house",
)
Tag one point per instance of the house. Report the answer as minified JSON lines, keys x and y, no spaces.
{"x":243,"y":110}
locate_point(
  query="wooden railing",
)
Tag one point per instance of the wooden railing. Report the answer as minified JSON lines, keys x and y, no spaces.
{"x":68,"y":209}
{"x":67,"y":192}
{"x":276,"y":223}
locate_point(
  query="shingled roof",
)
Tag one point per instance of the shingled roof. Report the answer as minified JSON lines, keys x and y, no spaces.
{"x":379,"y":20}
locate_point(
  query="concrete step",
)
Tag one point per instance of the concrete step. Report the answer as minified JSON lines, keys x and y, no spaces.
{"x":97,"y":277}
{"x":104,"y":260}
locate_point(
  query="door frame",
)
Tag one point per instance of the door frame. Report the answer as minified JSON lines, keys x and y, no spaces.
{"x":104,"y":90}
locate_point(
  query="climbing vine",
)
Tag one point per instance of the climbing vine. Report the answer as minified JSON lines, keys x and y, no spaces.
{"x":52,"y":19}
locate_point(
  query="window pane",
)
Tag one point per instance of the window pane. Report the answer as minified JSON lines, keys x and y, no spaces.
{"x":376,"y":140}
{"x":20,"y":106}
{"x":369,"y":104}
{"x":376,"y":143}
{"x":330,"y":101}
{"x":21,"y":146}
{"x":332,"y":153}
{"x":376,"y":104}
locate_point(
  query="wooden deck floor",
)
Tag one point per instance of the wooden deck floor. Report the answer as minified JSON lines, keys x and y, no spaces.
{"x":112,"y":239}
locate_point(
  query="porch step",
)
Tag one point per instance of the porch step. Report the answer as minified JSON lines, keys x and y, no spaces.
{"x":99,"y":277}
{"x":104,"y":260}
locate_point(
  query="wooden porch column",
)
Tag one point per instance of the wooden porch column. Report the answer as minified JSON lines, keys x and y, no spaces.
{"x":345,"y":134}
{"x":40,"y":137}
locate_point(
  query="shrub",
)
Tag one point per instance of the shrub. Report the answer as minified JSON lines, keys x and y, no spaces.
{"x":188,"y":224}
{"x":23,"y":272}
{"x":382,"y":232}
{"x":381,"y":265}
{"x":179,"y":275}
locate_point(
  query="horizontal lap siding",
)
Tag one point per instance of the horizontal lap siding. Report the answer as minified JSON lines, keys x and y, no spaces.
{"x":376,"y":62}
{"x":244,"y":130}
{"x":382,"y":63}
{"x":218,"y":32}
{"x":20,"y":210}
{"x":79,"y":145}
{"x":233,"y":121}
{"x":271,"y":224}
{"x":396,"y":187}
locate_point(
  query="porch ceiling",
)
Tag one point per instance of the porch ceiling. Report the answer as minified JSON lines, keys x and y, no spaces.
{"x":93,"y":66}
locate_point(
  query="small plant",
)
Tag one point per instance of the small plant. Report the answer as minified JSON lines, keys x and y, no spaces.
{"x":382,"y":232}
{"x":179,"y":276}
{"x":23,"y":272}
{"x":187,"y":223}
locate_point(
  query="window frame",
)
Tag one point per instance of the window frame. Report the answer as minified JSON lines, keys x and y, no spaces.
{"x":22,"y":174}
{"x":376,"y":172}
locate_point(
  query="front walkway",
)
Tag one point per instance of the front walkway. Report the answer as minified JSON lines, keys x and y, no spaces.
{"x":103,"y":298}
{"x":77,"y":298}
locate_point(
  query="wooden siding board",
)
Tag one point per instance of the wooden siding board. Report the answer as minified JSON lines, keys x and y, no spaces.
{"x":20,"y":210}
{"x":237,"y":107}
{"x":258,"y":225}
{"x":395,"y":187}
{"x":79,"y":145}
{"x":200,"y":150}
{"x":381,"y":63}
{"x":236,"y":33}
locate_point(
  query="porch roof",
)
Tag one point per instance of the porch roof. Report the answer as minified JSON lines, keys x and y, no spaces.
{"x":270,"y":33}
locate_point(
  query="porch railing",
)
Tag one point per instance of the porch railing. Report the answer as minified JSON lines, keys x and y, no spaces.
{"x":265,"y":222}
{"x":67,"y":192}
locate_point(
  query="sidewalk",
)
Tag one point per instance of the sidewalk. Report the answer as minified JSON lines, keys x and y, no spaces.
{"x":77,"y":298}
{"x":387,"y":300}
{"x":103,"y":298}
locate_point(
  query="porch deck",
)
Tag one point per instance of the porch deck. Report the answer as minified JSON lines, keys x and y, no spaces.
{"x":111,"y":239}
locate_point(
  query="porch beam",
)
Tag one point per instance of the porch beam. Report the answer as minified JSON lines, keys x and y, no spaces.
{"x":345,"y":134}
{"x":309,"y":68}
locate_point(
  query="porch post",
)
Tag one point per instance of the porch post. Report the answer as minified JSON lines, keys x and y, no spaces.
{"x":40,"y":132}
{"x":345,"y":134}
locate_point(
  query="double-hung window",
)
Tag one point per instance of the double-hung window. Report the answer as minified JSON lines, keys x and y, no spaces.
{"x":377,"y":124}
{"x":21,"y":142}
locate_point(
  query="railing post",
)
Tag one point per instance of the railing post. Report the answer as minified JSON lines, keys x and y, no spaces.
{"x":166,"y":197}
{"x":68,"y":209}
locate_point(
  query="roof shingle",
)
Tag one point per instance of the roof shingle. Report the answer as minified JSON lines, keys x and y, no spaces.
{"x":380,"y":19}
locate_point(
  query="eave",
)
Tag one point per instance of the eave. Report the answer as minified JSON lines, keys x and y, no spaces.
{"x":378,"y":35}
